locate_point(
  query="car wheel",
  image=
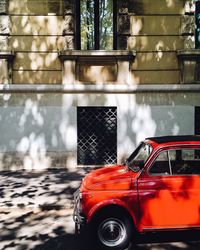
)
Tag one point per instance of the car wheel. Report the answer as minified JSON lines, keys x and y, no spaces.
{"x":113,"y":231}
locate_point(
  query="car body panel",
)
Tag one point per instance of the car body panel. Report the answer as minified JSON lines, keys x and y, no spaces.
{"x":169,"y":202}
{"x":155,"y":202}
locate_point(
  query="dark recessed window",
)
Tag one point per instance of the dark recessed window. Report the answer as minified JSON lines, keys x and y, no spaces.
{"x":95,"y":24}
{"x":97,"y":135}
{"x":197,"y":20}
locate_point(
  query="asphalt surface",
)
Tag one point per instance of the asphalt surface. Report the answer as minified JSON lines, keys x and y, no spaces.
{"x":36,"y":214}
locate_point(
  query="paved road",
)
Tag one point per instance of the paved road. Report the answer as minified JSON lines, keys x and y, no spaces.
{"x":36,"y":214}
{"x":25,"y":229}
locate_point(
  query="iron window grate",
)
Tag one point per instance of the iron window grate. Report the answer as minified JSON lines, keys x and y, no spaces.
{"x":97,"y":135}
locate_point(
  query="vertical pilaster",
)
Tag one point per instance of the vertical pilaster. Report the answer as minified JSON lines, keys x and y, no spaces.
{"x":69,"y":24}
{"x":188,"y":24}
{"x":4,"y":26}
{"x":6,"y":57}
{"x":123,"y":24}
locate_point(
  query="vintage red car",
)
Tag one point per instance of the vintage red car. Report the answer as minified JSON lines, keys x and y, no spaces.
{"x":157,"y":189}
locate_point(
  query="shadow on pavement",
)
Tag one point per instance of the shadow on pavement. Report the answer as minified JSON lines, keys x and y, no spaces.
{"x":36,"y":214}
{"x":36,"y":207}
{"x":160,"y":241}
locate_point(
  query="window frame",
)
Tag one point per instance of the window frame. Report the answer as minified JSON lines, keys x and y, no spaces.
{"x":197,"y":20}
{"x":185,"y":147}
{"x":96,"y":25}
{"x":100,"y":160}
{"x":151,"y":165}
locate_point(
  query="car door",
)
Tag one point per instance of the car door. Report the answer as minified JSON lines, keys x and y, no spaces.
{"x":169,"y":190}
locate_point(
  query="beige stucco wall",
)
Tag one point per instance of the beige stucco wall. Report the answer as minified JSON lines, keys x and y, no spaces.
{"x":155,"y":34}
{"x":41,"y":127}
{"x":153,"y":30}
{"x":36,"y":37}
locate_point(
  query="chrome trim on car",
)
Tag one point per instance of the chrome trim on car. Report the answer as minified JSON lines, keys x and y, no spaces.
{"x":77,"y":216}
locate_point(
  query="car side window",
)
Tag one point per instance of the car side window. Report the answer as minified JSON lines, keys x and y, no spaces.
{"x":161,"y":165}
{"x":185,"y":161}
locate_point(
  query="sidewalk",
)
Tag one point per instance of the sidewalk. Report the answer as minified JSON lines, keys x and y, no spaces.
{"x":36,"y":214}
{"x":36,"y":207}
{"x":52,"y":188}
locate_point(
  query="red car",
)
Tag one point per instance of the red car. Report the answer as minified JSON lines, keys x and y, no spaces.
{"x":157,"y":189}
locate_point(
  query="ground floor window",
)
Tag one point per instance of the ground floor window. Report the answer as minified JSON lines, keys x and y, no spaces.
{"x":197,"y":121}
{"x":97,"y":135}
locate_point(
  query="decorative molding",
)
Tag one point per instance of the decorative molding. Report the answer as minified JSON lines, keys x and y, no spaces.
{"x":123,"y":7}
{"x":123,"y":24}
{"x":69,"y":7}
{"x":189,"y":65}
{"x":189,"y":6}
{"x":69,"y":24}
{"x":101,"y":89}
{"x":3,"y":6}
{"x":190,"y":53}
{"x":4,"y":24}
{"x":69,"y":42}
{"x":189,"y":42}
{"x":3,"y":43}
{"x":9,"y":57}
{"x":188,"y":24}
{"x":114,"y":63}
{"x":4,"y":31}
{"x":97,"y":54}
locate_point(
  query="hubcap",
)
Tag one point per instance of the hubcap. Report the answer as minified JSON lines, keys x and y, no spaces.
{"x":111,"y":232}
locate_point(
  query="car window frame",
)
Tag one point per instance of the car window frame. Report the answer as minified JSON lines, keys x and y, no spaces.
{"x":152,"y":163}
{"x":168,"y":148}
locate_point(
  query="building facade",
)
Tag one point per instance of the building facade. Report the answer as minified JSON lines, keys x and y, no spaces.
{"x":84,"y":81}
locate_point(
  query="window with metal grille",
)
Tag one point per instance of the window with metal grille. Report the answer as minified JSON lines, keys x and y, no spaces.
{"x":96,"y":24}
{"x":97,"y":135}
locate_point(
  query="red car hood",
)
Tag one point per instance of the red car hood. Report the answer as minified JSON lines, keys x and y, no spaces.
{"x":109,"y":178}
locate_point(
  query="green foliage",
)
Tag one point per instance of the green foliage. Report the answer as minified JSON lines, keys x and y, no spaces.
{"x":105,"y":24}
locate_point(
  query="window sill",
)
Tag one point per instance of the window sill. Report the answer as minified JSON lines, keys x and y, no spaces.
{"x":189,"y":62}
{"x":8,"y":55}
{"x":118,"y":54}
{"x":188,"y":54}
{"x":96,"y":66}
{"x":6,"y":58}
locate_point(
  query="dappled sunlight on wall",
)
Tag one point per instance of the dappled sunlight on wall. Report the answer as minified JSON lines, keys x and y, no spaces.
{"x":170,"y":3}
{"x":36,"y":25}
{"x":97,"y":73}
{"x":36,"y":36}
{"x":136,"y":25}
{"x":67,"y":125}
{"x":138,"y":120}
{"x":43,"y":127}
{"x":40,"y":136}
{"x":143,"y":124}
{"x":33,"y":146}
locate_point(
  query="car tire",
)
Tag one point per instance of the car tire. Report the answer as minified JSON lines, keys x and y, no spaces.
{"x":113,"y":231}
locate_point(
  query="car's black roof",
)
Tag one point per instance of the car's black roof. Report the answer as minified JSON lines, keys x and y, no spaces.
{"x":176,"y":138}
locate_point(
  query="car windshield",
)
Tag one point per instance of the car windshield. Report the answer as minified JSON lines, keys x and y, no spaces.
{"x":139,"y":156}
